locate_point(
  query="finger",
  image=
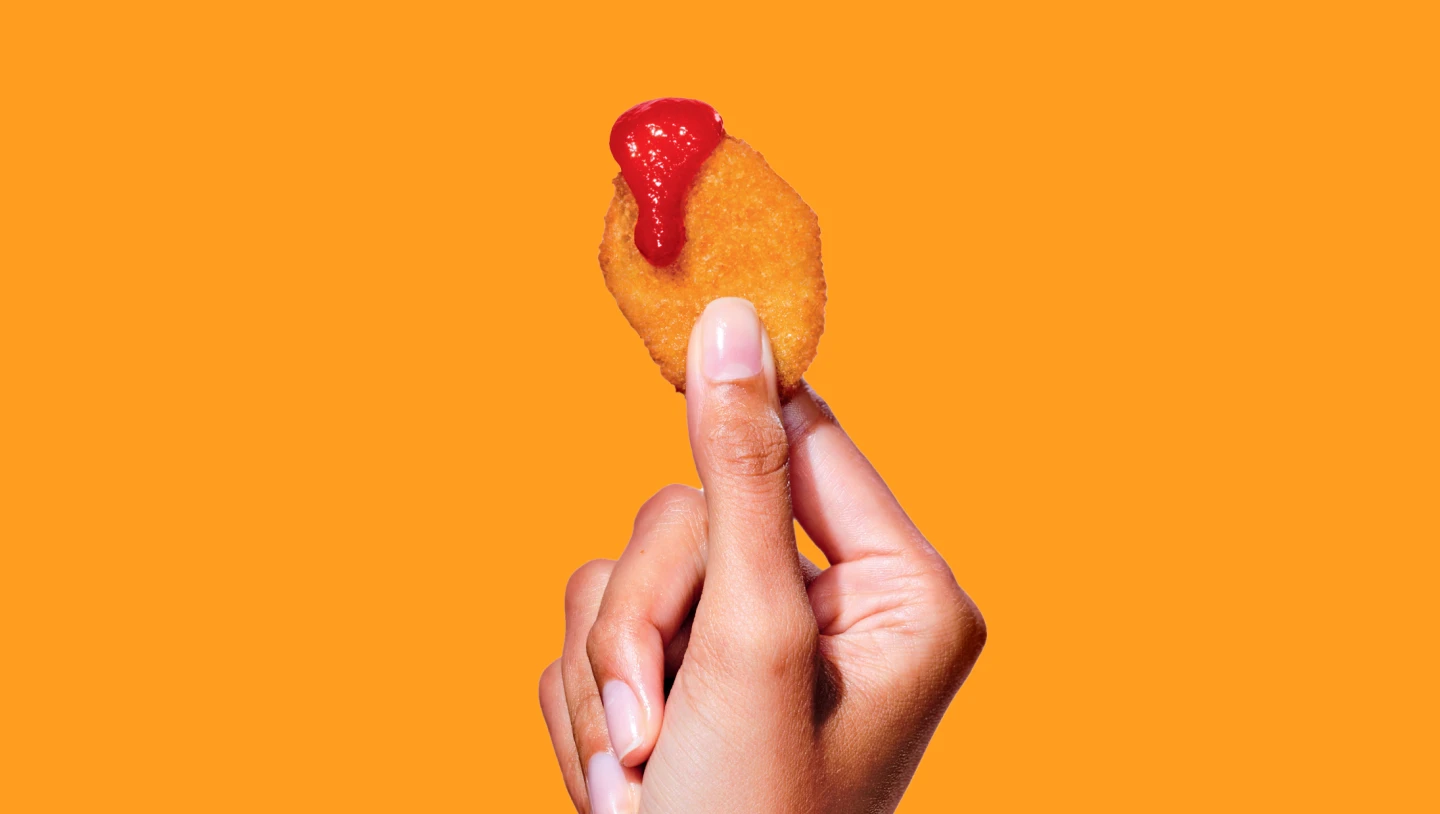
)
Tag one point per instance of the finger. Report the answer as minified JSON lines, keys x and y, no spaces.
{"x":840,"y":500}
{"x":651,"y":592}
{"x":754,"y":601}
{"x":740,"y":450}
{"x":557,"y":720}
{"x":883,"y":562}
{"x":610,"y":788}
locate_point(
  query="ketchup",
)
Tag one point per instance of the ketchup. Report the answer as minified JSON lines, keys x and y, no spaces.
{"x":660,"y":145}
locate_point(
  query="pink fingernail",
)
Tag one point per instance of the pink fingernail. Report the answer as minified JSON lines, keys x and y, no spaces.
{"x":622,"y":715}
{"x":730,"y":341}
{"x":606,"y":782}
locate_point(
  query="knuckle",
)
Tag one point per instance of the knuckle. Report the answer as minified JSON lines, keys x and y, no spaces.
{"x":752,"y":444}
{"x":675,"y":504}
{"x":963,"y":630}
{"x":587,"y":579}
{"x":673,"y":498}
{"x":971,"y":624}
{"x":549,"y":680}
{"x":957,"y":628}
{"x":606,"y":637}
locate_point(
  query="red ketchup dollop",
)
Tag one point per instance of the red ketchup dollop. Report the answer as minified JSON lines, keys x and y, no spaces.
{"x":660,"y":145}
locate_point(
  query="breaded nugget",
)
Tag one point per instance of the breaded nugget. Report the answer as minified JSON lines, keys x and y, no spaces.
{"x":748,"y":234}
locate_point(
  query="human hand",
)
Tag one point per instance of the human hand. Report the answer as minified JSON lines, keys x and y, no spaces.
{"x":795,"y":689}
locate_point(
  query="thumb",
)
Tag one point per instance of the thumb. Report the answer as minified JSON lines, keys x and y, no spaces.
{"x":754,"y":591}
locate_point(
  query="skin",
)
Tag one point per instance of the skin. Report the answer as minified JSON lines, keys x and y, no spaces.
{"x":795,"y":688}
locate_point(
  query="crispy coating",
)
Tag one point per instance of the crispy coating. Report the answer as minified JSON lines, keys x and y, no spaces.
{"x":748,"y":234}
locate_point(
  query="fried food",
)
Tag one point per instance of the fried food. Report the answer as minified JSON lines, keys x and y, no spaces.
{"x":747,"y":234}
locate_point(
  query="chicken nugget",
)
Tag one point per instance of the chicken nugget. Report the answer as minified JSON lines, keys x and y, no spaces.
{"x":715,"y":221}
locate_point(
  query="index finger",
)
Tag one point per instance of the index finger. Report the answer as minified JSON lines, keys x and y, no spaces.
{"x":840,"y":500}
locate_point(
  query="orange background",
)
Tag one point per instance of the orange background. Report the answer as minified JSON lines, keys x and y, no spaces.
{"x":315,"y":396}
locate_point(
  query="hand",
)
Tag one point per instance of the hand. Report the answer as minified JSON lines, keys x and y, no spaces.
{"x":795,"y":689}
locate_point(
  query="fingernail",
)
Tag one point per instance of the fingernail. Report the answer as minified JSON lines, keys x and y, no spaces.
{"x":622,"y":715}
{"x":730,"y":341}
{"x":606,"y":782}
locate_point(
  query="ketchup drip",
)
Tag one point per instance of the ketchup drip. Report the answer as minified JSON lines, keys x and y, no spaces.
{"x":660,"y":146}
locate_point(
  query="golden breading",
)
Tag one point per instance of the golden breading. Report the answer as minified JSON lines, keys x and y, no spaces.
{"x":748,"y":234}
